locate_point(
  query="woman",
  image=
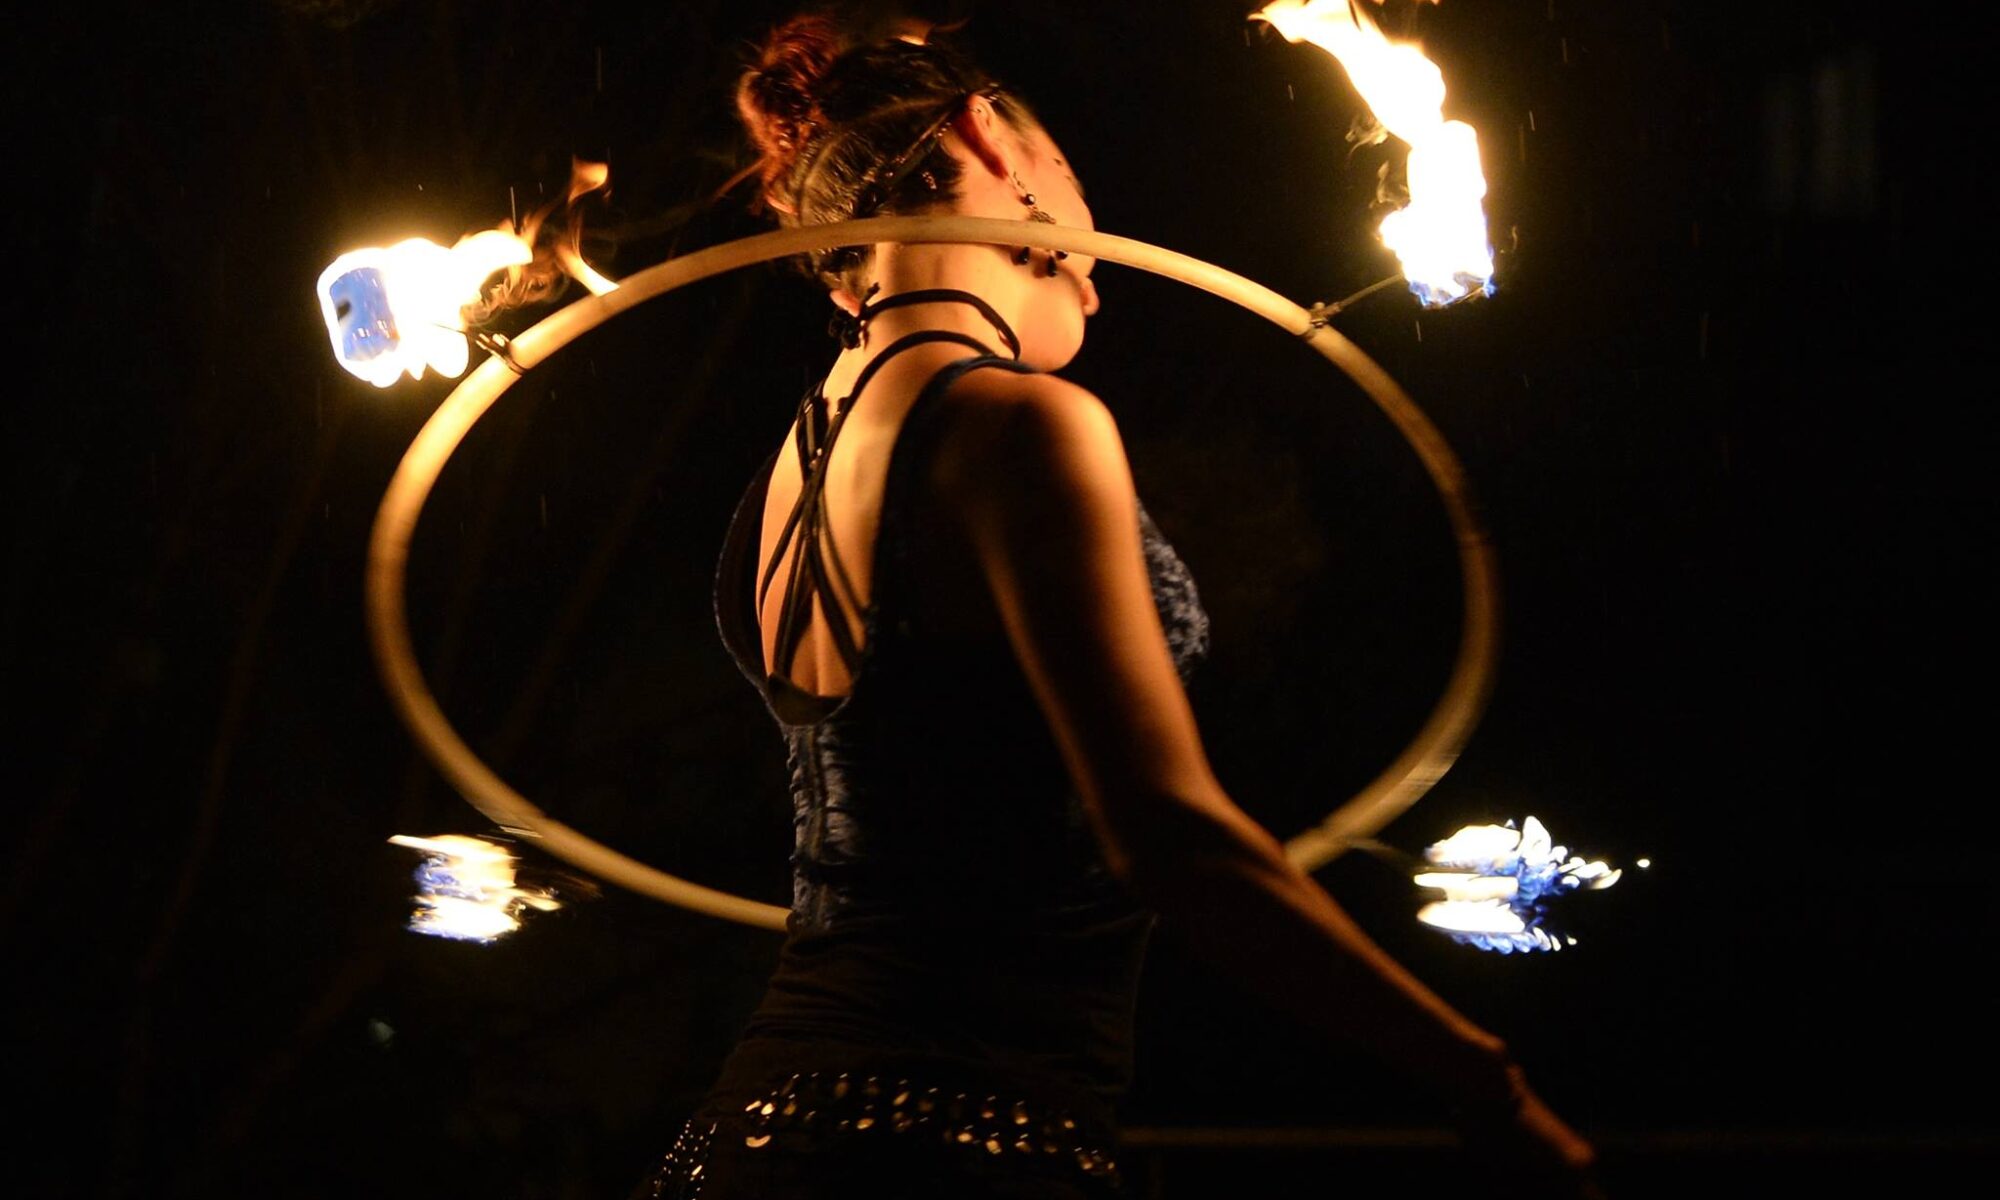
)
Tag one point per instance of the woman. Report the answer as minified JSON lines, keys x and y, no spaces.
{"x":974,"y":640}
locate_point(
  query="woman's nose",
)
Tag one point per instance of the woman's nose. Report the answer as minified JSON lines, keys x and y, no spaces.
{"x":1090,"y":301}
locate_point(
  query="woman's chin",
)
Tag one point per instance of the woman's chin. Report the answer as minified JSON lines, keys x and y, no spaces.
{"x":1056,"y":350}
{"x":1049,"y":363}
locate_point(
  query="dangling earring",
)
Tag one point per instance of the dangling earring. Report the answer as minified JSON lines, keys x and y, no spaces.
{"x":1035,"y":212}
{"x":1024,"y":255}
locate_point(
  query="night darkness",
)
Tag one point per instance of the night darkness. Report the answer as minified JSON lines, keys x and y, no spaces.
{"x":1725,"y":426}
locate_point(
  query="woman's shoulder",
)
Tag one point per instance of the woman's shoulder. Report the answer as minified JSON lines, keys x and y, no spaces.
{"x":1006,"y":426}
{"x":1029,"y":399}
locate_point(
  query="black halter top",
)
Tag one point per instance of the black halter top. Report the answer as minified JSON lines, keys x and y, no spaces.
{"x":949,"y":899}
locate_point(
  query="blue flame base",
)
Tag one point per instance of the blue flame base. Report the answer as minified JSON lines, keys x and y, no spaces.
{"x":1473,"y":285}
{"x":361,"y":306}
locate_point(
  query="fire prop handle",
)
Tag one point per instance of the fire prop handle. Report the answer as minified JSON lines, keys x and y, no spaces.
{"x":1420,"y":765}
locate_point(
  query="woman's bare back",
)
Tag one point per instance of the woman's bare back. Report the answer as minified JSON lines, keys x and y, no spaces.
{"x":856,"y":474}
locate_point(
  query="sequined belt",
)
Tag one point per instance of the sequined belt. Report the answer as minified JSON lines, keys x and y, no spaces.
{"x":989,"y":1124}
{"x":983,"y":1131}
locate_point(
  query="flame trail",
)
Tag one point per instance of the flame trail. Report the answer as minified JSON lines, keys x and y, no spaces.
{"x":1497,"y":883}
{"x":466,"y":889}
{"x":1440,"y":236}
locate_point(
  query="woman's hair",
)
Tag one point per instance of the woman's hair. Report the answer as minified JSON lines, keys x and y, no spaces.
{"x":844,"y":127}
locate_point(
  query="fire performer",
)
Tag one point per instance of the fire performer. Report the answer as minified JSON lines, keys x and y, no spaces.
{"x":973,"y":639}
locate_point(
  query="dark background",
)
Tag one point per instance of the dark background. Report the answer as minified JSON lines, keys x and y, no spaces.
{"x":1725,"y":414}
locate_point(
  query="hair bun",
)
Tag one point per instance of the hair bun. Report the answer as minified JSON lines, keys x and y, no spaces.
{"x":778,"y":96}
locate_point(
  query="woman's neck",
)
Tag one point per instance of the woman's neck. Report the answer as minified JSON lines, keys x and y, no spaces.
{"x":983,"y":271}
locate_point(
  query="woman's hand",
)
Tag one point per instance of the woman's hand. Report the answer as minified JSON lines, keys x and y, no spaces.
{"x":1535,"y":1152}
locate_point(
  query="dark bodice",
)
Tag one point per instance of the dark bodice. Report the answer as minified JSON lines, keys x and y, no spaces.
{"x":948,"y":896}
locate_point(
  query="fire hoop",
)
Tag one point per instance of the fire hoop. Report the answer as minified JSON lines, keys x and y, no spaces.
{"x":1413,"y":772}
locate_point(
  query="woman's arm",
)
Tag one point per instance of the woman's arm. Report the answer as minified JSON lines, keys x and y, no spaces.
{"x":1037,"y":472}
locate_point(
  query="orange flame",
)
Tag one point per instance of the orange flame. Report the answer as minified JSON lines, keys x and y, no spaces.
{"x":584,"y":178}
{"x":1440,"y":236}
{"x":405,"y":309}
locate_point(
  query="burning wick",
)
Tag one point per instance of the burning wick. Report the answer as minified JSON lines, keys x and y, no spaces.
{"x":1440,"y":236}
{"x":397,"y":310}
{"x":1497,"y":883}
{"x":402,"y":309}
{"x":466,"y":889}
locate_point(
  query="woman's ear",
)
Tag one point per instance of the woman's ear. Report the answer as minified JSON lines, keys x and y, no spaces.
{"x":845,"y":301}
{"x":987,"y":137}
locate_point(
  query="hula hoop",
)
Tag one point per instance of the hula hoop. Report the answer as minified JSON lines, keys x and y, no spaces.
{"x":1412,"y":773}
